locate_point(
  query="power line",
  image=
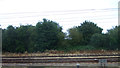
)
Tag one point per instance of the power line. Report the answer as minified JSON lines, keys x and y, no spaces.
{"x":48,"y":15}
{"x":84,"y":10}
{"x":63,"y":13}
{"x":88,"y":19}
{"x":72,"y":19}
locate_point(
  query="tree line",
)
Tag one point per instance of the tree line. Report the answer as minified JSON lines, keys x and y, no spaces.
{"x":48,"y":35}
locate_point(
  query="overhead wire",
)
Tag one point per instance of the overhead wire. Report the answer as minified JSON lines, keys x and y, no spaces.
{"x":65,"y":12}
{"x":84,"y":10}
{"x":38,"y":15}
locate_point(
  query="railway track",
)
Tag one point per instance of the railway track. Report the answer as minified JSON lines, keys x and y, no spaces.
{"x":64,"y":55}
{"x":61,"y":59}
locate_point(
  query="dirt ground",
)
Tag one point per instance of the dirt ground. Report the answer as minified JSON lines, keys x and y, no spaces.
{"x":57,"y":53}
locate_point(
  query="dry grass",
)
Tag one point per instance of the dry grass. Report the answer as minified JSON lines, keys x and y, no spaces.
{"x":57,"y":53}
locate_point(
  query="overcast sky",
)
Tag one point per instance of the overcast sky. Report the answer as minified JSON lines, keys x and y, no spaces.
{"x":68,"y":13}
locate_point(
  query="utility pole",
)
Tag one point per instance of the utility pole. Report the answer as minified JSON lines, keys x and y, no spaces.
{"x":0,"y":46}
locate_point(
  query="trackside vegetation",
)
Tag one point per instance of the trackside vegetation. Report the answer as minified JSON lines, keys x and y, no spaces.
{"x":48,"y":35}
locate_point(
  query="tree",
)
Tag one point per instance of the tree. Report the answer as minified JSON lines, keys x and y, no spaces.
{"x":25,"y":38}
{"x":47,"y":35}
{"x":87,"y":29}
{"x":75,"y":37}
{"x":119,"y":37}
{"x":100,"y":41}
{"x":114,"y":37}
{"x":9,"y":39}
{"x":62,"y":43}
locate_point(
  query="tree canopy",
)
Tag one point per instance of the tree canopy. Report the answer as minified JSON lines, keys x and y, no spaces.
{"x":88,"y":28}
{"x":48,"y":35}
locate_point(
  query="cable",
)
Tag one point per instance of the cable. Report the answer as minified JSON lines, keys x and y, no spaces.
{"x":42,"y":15}
{"x":63,"y":13}
{"x":72,"y":19}
{"x":106,"y":9}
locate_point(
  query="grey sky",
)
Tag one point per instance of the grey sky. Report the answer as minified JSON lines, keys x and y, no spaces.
{"x":67,"y":13}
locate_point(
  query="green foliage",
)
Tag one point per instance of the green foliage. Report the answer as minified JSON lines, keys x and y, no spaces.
{"x":114,"y":37}
{"x":75,"y":37}
{"x":119,"y":37}
{"x":48,"y":35}
{"x":18,"y":39}
{"x":9,"y":39}
{"x":100,"y":41}
{"x":25,"y":37}
{"x":88,"y":29}
{"x":82,"y":47}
